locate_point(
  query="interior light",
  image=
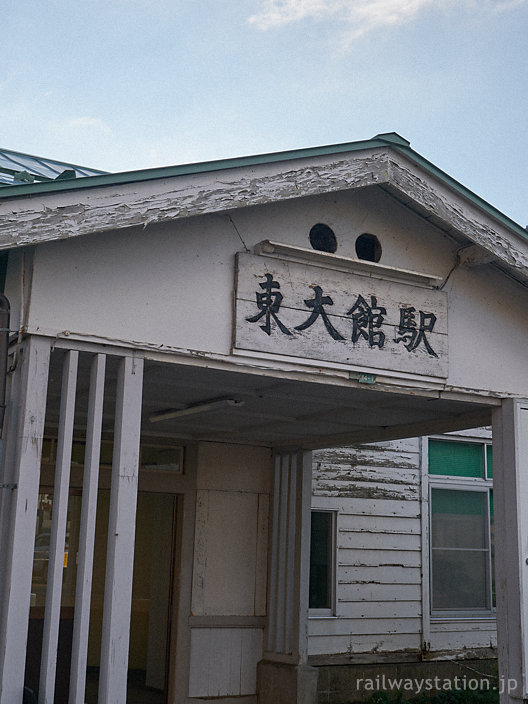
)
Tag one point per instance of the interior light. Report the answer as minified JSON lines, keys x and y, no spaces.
{"x":212,"y":405}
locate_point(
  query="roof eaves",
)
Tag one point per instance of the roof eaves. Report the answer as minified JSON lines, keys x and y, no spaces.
{"x":114,"y":179}
{"x":390,"y":139}
{"x":453,"y":184}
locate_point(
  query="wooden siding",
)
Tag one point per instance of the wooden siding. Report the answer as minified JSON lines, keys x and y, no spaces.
{"x":376,"y":491}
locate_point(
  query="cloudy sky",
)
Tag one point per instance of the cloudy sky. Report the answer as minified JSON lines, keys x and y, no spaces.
{"x":129,"y":84}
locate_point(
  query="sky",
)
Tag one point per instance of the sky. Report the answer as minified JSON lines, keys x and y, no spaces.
{"x":130,"y":84}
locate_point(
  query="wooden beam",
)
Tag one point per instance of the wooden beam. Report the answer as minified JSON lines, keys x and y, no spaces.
{"x":79,"y":212}
{"x":87,"y":531}
{"x":28,"y":402}
{"x":475,"y":255}
{"x":121,"y":534}
{"x":61,"y":489}
{"x":456,"y":215}
{"x":290,"y":556}
{"x":510,"y":480}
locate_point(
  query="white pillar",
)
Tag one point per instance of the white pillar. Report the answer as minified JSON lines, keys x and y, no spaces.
{"x":510,"y":482}
{"x":284,"y":674}
{"x":50,"y":637}
{"x":81,"y":624}
{"x":290,"y":556}
{"x":121,"y":534}
{"x":26,"y":410}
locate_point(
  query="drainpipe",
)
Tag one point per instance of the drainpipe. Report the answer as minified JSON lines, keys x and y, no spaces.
{"x":4,"y":345}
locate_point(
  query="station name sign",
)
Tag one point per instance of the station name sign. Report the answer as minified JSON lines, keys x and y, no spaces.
{"x":317,"y":313}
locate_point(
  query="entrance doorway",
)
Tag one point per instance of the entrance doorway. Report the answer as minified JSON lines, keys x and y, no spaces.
{"x":152,"y":596}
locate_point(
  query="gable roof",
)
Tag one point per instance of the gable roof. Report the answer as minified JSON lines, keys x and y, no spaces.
{"x":17,"y":168}
{"x":102,"y":178}
{"x":112,"y":201}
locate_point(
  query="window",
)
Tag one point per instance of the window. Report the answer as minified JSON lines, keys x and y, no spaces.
{"x":461,"y":528}
{"x":322,"y":551}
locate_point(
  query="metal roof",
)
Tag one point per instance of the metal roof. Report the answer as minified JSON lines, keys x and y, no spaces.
{"x":17,"y":168}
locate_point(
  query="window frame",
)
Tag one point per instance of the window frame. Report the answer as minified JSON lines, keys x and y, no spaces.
{"x":329,"y":612}
{"x":482,"y":484}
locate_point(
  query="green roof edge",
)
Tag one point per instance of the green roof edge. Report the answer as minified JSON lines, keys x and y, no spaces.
{"x":390,"y":139}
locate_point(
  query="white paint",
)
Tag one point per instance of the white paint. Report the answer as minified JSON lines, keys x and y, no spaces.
{"x":28,"y":405}
{"x":224,"y":661}
{"x":61,"y":487}
{"x":121,"y":532}
{"x":382,"y":551}
{"x":290,"y":287}
{"x":140,"y":204}
{"x":510,"y":471}
{"x":194,"y":262}
{"x":225,"y":562}
{"x":83,"y":589}
{"x":290,"y":546}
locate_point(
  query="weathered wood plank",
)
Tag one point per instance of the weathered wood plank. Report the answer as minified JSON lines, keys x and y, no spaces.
{"x":303,"y":293}
{"x":466,"y":639}
{"x":392,"y":447}
{"x":381,"y":592}
{"x":358,"y":556}
{"x":121,"y":533}
{"x":369,"y":507}
{"x":357,"y":627}
{"x":87,"y":531}
{"x":372,"y":475}
{"x":61,"y":487}
{"x":379,"y":575}
{"x":347,"y":643}
{"x":223,"y":662}
{"x":379,"y":524}
{"x":455,"y":214}
{"x":463,"y":626}
{"x":379,"y":541}
{"x":380,"y":609}
{"x":366,"y":490}
{"x":332,"y":462}
{"x":141,"y":204}
{"x":27,"y":405}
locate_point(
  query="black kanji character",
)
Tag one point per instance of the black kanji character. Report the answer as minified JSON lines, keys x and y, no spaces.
{"x":366,"y":319}
{"x":317,"y":303}
{"x":269,"y":303}
{"x":412,"y":333}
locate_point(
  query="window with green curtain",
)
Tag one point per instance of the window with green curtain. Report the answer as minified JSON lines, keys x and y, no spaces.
{"x":489,"y":460}
{"x":460,"y":550}
{"x":456,"y":459}
{"x":461,"y":527}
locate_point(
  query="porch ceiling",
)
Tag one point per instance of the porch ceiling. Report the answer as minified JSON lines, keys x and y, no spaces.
{"x":285,"y":412}
{"x":272,"y":411}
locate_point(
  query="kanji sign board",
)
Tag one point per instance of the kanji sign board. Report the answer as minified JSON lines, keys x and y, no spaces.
{"x":318,"y":313}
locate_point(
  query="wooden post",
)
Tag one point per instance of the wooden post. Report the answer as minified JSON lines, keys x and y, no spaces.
{"x":290,"y":555}
{"x":121,"y":534}
{"x":61,"y":490}
{"x":510,"y":482}
{"x":87,"y":532}
{"x":284,"y":675}
{"x":23,"y":455}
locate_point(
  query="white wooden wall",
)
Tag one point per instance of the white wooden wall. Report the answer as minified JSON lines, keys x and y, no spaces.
{"x":229,"y":569}
{"x":376,"y":490}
